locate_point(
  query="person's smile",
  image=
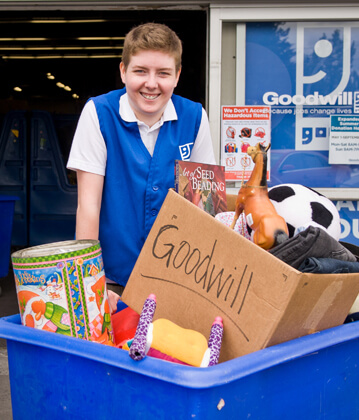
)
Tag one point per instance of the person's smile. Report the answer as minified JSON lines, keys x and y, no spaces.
{"x":150,"y":96}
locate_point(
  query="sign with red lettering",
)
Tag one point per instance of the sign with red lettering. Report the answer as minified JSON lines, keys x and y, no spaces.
{"x":243,"y":126}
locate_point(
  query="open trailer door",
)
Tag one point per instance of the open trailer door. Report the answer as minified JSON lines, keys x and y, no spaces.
{"x":32,"y":168}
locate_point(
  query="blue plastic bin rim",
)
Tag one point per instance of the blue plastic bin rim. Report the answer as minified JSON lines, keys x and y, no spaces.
{"x":187,"y":376}
{"x":9,"y":198}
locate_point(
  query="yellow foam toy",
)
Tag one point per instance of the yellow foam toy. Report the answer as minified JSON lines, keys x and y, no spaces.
{"x":186,"y":345}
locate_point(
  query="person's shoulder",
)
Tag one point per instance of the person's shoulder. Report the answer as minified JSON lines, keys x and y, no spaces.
{"x":185,"y":103}
{"x":108,"y":96}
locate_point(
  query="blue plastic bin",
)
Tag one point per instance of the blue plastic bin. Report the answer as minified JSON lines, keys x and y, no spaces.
{"x":57,"y":377}
{"x":7,"y":206}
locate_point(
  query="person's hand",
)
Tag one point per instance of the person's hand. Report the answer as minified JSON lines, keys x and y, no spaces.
{"x":113,"y":298}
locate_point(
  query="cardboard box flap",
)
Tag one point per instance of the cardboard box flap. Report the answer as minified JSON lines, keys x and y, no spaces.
{"x":199,"y":269}
{"x":319,"y":302}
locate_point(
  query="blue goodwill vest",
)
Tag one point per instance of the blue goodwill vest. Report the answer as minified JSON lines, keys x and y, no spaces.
{"x":136,"y":184}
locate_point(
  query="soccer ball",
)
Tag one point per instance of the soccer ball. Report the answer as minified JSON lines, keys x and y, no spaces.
{"x":301,"y":207}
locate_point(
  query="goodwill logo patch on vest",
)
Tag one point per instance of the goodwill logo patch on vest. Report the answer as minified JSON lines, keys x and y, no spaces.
{"x":185,"y":151}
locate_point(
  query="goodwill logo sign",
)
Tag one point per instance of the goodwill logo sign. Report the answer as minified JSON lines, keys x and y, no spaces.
{"x":310,"y":73}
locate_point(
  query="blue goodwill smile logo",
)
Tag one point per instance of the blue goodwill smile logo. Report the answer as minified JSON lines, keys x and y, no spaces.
{"x":314,"y":75}
{"x":185,"y":151}
{"x":323,"y":70}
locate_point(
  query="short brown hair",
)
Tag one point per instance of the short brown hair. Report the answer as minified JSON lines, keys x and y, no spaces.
{"x":152,"y":36}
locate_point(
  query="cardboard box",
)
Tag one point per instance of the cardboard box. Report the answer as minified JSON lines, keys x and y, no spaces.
{"x":199,"y":269}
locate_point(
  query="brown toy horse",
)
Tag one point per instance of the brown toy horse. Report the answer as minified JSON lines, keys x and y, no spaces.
{"x":269,"y":228}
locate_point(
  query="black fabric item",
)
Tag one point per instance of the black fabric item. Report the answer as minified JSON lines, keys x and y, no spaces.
{"x":352,"y":248}
{"x":352,"y":318}
{"x":311,"y":242}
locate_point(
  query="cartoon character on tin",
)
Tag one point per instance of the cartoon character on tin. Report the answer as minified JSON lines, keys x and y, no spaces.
{"x":47,"y":315}
{"x":54,"y":285}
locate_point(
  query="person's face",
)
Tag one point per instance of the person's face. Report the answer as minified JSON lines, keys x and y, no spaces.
{"x":150,"y":79}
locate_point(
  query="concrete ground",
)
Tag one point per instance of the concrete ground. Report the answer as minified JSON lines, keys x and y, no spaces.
{"x":8,"y":306}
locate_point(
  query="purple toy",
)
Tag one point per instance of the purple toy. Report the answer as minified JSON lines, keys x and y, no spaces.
{"x":215,"y":340}
{"x":138,"y":347}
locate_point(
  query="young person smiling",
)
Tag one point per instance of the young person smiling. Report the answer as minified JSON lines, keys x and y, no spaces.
{"x":125,"y":146}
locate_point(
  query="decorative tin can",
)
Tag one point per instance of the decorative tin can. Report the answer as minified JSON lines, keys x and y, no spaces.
{"x":61,"y":287}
